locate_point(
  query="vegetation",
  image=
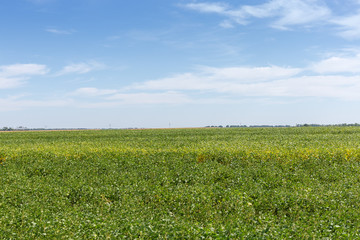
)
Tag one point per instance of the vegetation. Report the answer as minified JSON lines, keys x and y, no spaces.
{"x":219,"y":183}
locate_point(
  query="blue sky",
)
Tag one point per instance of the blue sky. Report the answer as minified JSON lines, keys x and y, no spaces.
{"x":151,"y":63}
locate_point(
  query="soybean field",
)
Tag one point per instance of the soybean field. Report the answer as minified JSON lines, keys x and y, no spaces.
{"x":206,"y":183}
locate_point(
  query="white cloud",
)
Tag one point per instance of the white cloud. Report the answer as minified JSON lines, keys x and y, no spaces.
{"x":210,"y":79}
{"x":121,"y":99}
{"x":112,"y":97}
{"x":22,"y":70}
{"x":285,"y":12}
{"x":6,"y":83}
{"x":150,"y":98}
{"x":14,"y":75}
{"x":92,"y":92}
{"x":272,"y":81}
{"x":14,"y":103}
{"x":59,"y":32}
{"x":335,"y":77}
{"x":226,"y":24}
{"x":81,"y":68}
{"x":341,"y":87}
{"x":220,"y":8}
{"x":250,"y":74}
{"x":338,"y":65}
{"x":349,"y":26}
{"x":295,"y":12}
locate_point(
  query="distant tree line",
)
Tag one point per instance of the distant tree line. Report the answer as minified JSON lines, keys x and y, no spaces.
{"x":7,"y":129}
{"x":245,"y":126}
{"x":278,"y":126}
{"x":329,"y":125}
{"x":36,"y":129}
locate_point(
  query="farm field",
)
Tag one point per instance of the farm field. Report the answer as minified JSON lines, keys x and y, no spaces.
{"x":230,"y":183}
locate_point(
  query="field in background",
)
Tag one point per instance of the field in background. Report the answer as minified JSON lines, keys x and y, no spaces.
{"x":181,"y":183}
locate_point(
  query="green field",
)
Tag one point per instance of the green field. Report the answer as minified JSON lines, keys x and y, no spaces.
{"x":241,"y":183}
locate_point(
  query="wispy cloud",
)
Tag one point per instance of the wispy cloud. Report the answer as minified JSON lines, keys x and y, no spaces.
{"x":220,"y":8}
{"x":60,"y":32}
{"x":284,"y":13}
{"x":338,"y":64}
{"x":335,"y":77}
{"x":81,"y":68}
{"x":13,"y":103}
{"x":92,"y":92}
{"x":349,"y":26}
{"x":95,"y":97}
{"x":22,"y":70}
{"x":226,"y":24}
{"x":341,"y":87}
{"x":151,"y":98}
{"x":210,"y":79}
{"x":15,"y":75}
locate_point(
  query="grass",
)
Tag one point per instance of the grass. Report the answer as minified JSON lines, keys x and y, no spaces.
{"x":244,"y":183}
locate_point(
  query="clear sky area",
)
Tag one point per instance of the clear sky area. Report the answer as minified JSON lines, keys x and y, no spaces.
{"x":178,"y":63}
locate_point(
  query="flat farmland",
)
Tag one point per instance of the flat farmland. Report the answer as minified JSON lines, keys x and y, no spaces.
{"x":217,"y":183}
